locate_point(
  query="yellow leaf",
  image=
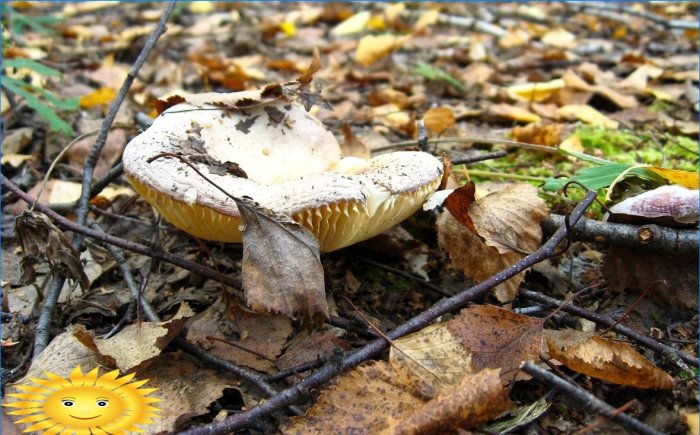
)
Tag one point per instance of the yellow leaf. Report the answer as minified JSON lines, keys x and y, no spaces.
{"x":289,"y":28}
{"x":376,"y":23}
{"x":535,"y":91}
{"x":201,"y":7}
{"x":513,"y":112}
{"x":439,"y":119}
{"x":373,"y":48}
{"x":684,"y":178}
{"x":586,"y":114}
{"x":427,"y":19}
{"x":100,"y":97}
{"x":352,"y":25}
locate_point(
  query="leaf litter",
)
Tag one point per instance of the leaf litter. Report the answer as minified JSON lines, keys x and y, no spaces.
{"x":534,"y":73}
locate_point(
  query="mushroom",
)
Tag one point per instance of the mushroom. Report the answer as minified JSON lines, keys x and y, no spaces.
{"x":263,"y":145}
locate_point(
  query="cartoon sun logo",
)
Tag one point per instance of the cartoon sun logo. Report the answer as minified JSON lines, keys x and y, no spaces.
{"x":85,"y":403}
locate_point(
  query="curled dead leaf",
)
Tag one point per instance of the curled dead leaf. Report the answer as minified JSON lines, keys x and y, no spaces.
{"x":610,"y":361}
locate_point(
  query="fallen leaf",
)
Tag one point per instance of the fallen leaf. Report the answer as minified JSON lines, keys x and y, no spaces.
{"x":262,"y":334}
{"x":513,"y":113}
{"x":373,"y":48}
{"x":535,"y":91}
{"x":313,"y":67}
{"x":439,"y":119}
{"x":41,"y":240}
{"x":586,"y":114}
{"x":320,"y":344}
{"x":281,"y":269}
{"x":458,"y":203}
{"x":549,"y":135}
{"x":100,"y":97}
{"x":507,"y":224}
{"x":352,"y":146}
{"x":361,"y":400}
{"x":610,"y":361}
{"x":639,"y":78}
{"x":426,"y":19}
{"x":352,"y":25}
{"x":14,"y":141}
{"x":683,"y":178}
{"x":136,"y":346}
{"x":185,"y":388}
{"x":560,"y":38}
{"x":476,"y":399}
{"x":391,"y":116}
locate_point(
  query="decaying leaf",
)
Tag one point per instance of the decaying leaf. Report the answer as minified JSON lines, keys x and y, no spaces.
{"x":320,"y":344}
{"x":482,"y":336}
{"x":313,"y":67}
{"x":513,"y":113}
{"x":476,"y":399}
{"x":137,"y":345}
{"x":391,"y":116}
{"x":549,"y":135}
{"x":607,"y":360}
{"x":362,"y":399}
{"x":281,"y":269}
{"x":185,"y":389}
{"x":506,"y":227}
{"x":41,"y":240}
{"x":263,"y":334}
{"x":458,"y":203}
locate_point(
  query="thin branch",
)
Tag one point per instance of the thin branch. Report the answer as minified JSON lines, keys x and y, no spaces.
{"x":472,"y":139}
{"x":675,"y":355}
{"x":586,"y":400}
{"x":479,"y":158}
{"x":625,"y":9}
{"x":648,"y":237}
{"x":43,"y":326}
{"x":327,"y":372}
{"x":91,"y":160}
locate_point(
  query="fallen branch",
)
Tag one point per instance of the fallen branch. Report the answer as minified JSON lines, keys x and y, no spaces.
{"x":673,"y":354}
{"x":586,"y":400}
{"x":628,"y":10}
{"x":328,"y":371}
{"x":648,"y":237}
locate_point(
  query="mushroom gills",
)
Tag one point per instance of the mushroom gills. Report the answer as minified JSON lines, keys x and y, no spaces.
{"x":336,"y":225}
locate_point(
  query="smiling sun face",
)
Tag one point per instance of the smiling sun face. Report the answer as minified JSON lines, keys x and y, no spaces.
{"x":84,"y":403}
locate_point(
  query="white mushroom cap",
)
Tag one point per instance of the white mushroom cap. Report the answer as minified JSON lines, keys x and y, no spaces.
{"x":293,"y":166}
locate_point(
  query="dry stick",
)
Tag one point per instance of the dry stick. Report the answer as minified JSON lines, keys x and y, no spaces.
{"x":479,"y":158}
{"x":587,"y":400}
{"x":43,"y":325}
{"x":624,"y":9}
{"x":601,"y":421}
{"x":327,"y":372}
{"x":91,"y":160}
{"x":124,"y":244}
{"x":648,"y":237}
{"x":239,"y":347}
{"x":675,"y":355}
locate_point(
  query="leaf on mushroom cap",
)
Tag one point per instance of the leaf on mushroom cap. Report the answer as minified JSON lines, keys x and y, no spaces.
{"x":292,"y":163}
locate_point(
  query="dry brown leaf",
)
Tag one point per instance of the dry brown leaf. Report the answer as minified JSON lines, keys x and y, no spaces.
{"x":439,"y":119}
{"x":458,"y":203}
{"x":185,"y":389}
{"x":313,"y":67}
{"x":607,"y":360}
{"x":639,"y":79}
{"x":509,"y":219}
{"x":281,"y":269}
{"x":549,"y":135}
{"x":373,"y":48}
{"x":361,"y":401}
{"x":41,"y":240}
{"x":320,"y":344}
{"x":513,"y":113}
{"x":498,"y":338}
{"x":586,"y":114}
{"x":573,"y":81}
{"x":507,"y":222}
{"x":386,"y":96}
{"x":261,"y":333}
{"x":435,"y":354}
{"x":136,"y":346}
{"x":476,"y":399}
{"x":352,"y":146}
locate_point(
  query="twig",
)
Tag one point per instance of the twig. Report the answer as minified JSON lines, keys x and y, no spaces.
{"x":624,"y":9}
{"x":632,"y":306}
{"x":327,"y":372}
{"x":601,"y":421}
{"x":43,"y":325}
{"x":110,"y":176}
{"x":647,"y":237}
{"x":124,"y":244}
{"x":238,"y":346}
{"x":246,"y":374}
{"x":587,"y":400}
{"x":675,"y":355}
{"x":301,"y":368}
{"x":479,"y":158}
{"x":91,"y":160}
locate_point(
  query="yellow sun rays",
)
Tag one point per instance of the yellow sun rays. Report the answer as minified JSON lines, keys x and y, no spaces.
{"x":84,"y":403}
